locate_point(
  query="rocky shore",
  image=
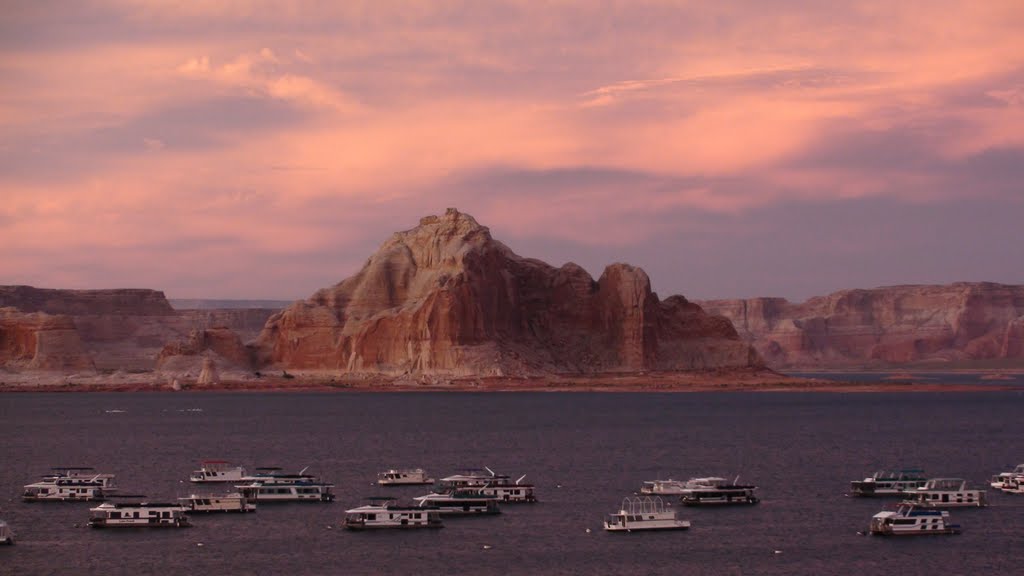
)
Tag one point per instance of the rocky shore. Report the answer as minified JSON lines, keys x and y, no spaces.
{"x":713,"y":381}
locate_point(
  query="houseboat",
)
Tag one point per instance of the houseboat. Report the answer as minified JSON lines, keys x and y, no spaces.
{"x":274,"y":474}
{"x":668,"y":487}
{"x":946,"y":493}
{"x":646,"y":513}
{"x":459,"y":502}
{"x":1002,"y":478}
{"x":138,"y":515}
{"x":469,"y":478}
{"x":64,"y":490}
{"x":713,"y":491}
{"x":1014,"y":486}
{"x":6,"y":534}
{"x":211,"y":471}
{"x":382,"y":512}
{"x":504,"y":490}
{"x":889,"y":483}
{"x":217,"y":503}
{"x":86,"y":473}
{"x":404,"y":477}
{"x":280,"y":490}
{"x":909,"y":520}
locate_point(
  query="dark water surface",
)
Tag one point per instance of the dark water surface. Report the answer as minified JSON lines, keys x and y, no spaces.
{"x":802,"y":449}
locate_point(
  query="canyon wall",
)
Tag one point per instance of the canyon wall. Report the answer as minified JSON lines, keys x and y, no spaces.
{"x":884,"y":326}
{"x":119,"y":329}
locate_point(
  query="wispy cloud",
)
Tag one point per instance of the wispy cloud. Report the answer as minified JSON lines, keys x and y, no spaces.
{"x":260,"y":74}
{"x":301,"y":134}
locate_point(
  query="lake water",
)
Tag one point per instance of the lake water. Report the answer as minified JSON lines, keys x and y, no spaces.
{"x":583,"y":451}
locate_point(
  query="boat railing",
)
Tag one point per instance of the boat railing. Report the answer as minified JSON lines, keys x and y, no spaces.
{"x":646,"y":505}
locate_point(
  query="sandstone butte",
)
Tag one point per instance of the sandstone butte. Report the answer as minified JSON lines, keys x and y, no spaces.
{"x":896,"y":325}
{"x":445,"y":299}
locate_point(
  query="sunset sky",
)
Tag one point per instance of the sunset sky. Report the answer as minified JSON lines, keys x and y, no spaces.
{"x":249,"y":149}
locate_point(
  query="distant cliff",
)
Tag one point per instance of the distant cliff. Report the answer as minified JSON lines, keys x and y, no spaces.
{"x":445,"y":298}
{"x":883,"y":326}
{"x":132,"y":302}
{"x":117,"y":329}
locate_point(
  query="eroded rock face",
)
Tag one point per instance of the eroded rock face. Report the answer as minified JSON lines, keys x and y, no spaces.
{"x":446,"y":298}
{"x":892,"y":325}
{"x":41,"y":341}
{"x":223,"y":342}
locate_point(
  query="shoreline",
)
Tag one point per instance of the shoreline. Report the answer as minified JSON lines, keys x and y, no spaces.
{"x":675,"y":382}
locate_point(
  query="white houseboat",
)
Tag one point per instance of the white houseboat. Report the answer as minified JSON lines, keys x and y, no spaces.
{"x":404,"y":477}
{"x":86,"y":473}
{"x":486,"y":483}
{"x":717,"y":491}
{"x":668,"y":487}
{"x":889,"y":483}
{"x":909,"y":520}
{"x":504,"y":490}
{"x":460,"y":502}
{"x":211,"y":471}
{"x":280,"y":490}
{"x":1014,"y":486}
{"x":6,"y":534}
{"x":946,"y":493}
{"x":644,"y":514}
{"x":469,"y":478}
{"x":64,"y":490}
{"x":1002,"y":478}
{"x":382,"y":512}
{"x":271,"y":474}
{"x":217,"y":503}
{"x":138,"y":515}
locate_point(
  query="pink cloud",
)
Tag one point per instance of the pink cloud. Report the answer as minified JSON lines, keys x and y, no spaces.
{"x":389,"y":104}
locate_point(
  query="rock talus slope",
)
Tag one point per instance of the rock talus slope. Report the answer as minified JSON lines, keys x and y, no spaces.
{"x":446,"y":298}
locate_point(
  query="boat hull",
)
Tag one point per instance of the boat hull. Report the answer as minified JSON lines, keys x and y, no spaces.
{"x":737,"y":500}
{"x":648,"y":526}
{"x":360,"y":526}
{"x":141,"y":523}
{"x":917,"y":531}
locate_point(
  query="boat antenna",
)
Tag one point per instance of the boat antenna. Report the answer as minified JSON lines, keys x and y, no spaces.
{"x":489,"y":470}
{"x":301,"y":472}
{"x":520,"y":479}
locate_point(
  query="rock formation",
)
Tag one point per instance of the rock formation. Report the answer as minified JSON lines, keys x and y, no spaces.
{"x":41,"y":341}
{"x":127,"y":329}
{"x":221,"y":341}
{"x":209,"y":374}
{"x":120,"y":302}
{"x":883,"y":326}
{"x":447,"y":299}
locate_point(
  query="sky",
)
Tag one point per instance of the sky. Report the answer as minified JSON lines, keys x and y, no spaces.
{"x":732,"y":149}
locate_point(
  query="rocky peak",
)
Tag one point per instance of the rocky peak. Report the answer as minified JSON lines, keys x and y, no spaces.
{"x":446,"y":298}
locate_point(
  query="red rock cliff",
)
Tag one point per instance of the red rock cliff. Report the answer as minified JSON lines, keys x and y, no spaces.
{"x":445,"y":298}
{"x":40,"y":341}
{"x":891,"y":325}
